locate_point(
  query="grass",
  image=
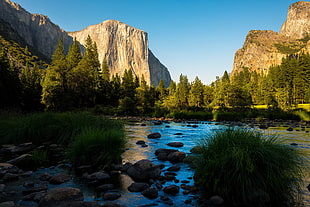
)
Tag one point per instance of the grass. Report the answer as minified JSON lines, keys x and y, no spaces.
{"x":94,"y":139}
{"x":102,"y":147}
{"x":249,"y":169}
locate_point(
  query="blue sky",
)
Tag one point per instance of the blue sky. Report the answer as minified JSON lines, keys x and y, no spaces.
{"x":192,"y":37}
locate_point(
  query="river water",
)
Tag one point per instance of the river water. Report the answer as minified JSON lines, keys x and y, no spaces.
{"x":189,"y":134}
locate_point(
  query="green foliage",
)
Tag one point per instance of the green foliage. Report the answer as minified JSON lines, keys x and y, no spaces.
{"x":304,"y":115}
{"x":198,"y":115}
{"x":97,"y":146}
{"x":289,"y":47}
{"x":48,"y":126}
{"x":249,"y":169}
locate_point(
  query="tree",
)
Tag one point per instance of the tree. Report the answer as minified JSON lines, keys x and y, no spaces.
{"x":196,"y":94}
{"x":54,"y":85}
{"x":105,"y":71}
{"x":10,"y":89}
{"x":182,"y":92}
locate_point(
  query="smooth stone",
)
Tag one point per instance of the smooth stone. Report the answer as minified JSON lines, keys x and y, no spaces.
{"x":154,"y":135}
{"x":59,"y":179}
{"x":111,"y":196}
{"x":150,"y":193}
{"x":175,"y":144}
{"x":138,"y":187}
{"x":58,"y":196}
{"x":174,"y":168}
{"x":7,"y":204}
{"x":172,"y":189}
{"x":106,"y":187}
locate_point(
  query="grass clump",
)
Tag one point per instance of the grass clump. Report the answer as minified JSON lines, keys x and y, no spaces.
{"x":247,"y":168}
{"x":102,"y":147}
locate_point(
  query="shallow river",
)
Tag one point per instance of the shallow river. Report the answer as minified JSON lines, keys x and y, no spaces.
{"x":190,"y":137}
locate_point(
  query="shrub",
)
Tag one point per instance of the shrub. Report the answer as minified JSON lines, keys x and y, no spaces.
{"x":97,"y":146}
{"x":248,"y":168}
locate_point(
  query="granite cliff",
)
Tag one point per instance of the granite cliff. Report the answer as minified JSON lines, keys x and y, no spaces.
{"x":123,"y":46}
{"x":265,"y":48}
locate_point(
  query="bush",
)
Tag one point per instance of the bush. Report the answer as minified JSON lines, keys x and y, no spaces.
{"x":247,"y":168}
{"x":97,"y":146}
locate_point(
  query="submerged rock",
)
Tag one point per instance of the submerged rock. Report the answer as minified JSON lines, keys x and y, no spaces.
{"x":138,"y":187}
{"x":150,"y":193}
{"x":144,"y":170}
{"x":57,"y":197}
{"x":154,"y":135}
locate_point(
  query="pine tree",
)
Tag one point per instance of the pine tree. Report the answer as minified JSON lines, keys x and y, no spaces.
{"x":195,"y":97}
{"x":105,"y":71}
{"x":182,"y":92}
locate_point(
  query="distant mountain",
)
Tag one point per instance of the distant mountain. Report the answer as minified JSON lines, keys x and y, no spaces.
{"x":124,"y":47}
{"x":265,"y":48}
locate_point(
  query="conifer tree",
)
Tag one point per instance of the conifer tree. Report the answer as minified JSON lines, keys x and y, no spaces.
{"x":195,"y":97}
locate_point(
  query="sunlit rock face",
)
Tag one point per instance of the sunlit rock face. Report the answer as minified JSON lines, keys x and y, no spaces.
{"x":125,"y":47}
{"x":264,"y":48}
{"x":297,"y":24}
{"x":37,"y":30}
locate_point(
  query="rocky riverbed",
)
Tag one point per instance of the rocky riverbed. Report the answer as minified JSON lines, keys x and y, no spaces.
{"x":154,"y":169}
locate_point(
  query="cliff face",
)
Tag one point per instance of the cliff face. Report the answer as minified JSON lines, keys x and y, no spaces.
{"x":297,"y":24}
{"x":263,"y":49}
{"x":36,"y":30}
{"x":125,"y":47}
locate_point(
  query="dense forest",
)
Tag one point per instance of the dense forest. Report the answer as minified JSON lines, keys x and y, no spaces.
{"x":77,"y":80}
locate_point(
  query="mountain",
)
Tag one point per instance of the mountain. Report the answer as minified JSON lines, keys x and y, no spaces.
{"x":265,"y":48}
{"x":125,"y":47}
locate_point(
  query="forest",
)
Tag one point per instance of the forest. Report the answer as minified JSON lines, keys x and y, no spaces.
{"x":76,"y":80}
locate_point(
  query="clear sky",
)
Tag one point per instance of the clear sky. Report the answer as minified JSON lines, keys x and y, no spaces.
{"x":192,"y":37}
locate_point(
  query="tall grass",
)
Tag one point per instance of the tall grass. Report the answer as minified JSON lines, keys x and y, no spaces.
{"x":89,"y":139}
{"x":50,"y":127}
{"x":250,"y":169}
{"x":102,"y":147}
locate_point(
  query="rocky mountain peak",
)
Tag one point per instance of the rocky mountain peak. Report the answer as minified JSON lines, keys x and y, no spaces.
{"x":265,"y":48}
{"x":297,"y":24}
{"x":124,"y":47}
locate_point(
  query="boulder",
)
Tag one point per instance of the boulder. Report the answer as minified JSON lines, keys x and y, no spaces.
{"x":144,"y":170}
{"x":150,"y":193}
{"x":58,"y":197}
{"x":20,"y":160}
{"x":111,"y":196}
{"x":140,"y":142}
{"x":59,"y":179}
{"x":106,"y":187}
{"x":23,"y":148}
{"x":174,"y":168}
{"x":98,"y":176}
{"x":7,"y":204}
{"x":154,"y":135}
{"x":176,"y":157}
{"x":175,"y":144}
{"x":172,"y":189}
{"x":138,"y":187}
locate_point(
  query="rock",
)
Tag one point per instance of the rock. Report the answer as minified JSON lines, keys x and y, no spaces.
{"x":111,"y":204}
{"x":122,"y":52}
{"x":162,"y":154}
{"x":2,"y":187}
{"x":175,"y":144}
{"x":154,"y":135}
{"x":172,"y":189}
{"x":150,"y":193}
{"x":138,"y":187}
{"x":99,"y":176}
{"x":144,"y":170}
{"x":7,"y":204}
{"x":10,"y":177}
{"x":61,"y":196}
{"x":106,"y":187}
{"x":289,"y":129}
{"x":216,"y":200}
{"x":176,"y":157}
{"x":174,"y":168}
{"x":140,"y":142}
{"x":36,"y":196}
{"x":83,"y":169}
{"x":38,"y":188}
{"x":20,"y":160}
{"x":111,"y":196}
{"x":23,"y":148}
{"x":59,"y":179}
{"x":179,"y":133}
{"x":45,"y":176}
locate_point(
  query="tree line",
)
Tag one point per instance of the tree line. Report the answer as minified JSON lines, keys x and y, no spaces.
{"x":77,"y":79}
